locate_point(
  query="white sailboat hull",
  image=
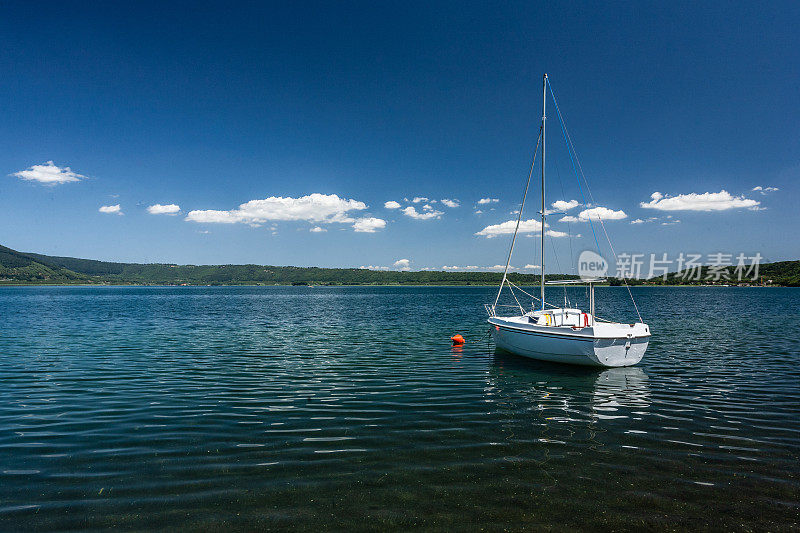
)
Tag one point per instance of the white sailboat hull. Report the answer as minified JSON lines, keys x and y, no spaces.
{"x":604,"y":345}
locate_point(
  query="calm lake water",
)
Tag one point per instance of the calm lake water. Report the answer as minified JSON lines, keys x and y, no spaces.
{"x":298,"y":408}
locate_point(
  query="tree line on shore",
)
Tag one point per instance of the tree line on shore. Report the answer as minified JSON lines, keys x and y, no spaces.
{"x":30,"y":268}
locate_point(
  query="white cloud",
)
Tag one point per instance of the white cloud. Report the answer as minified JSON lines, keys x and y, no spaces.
{"x":317,"y":229}
{"x":765,"y":190}
{"x":473,"y":267}
{"x":707,"y":201}
{"x":430,"y":213}
{"x":111,"y":209}
{"x":525,"y":226}
{"x":561,"y":205}
{"x":373,"y":267}
{"x":403,"y":264}
{"x":594,"y":213}
{"x":551,"y":233}
{"x":368,"y":224}
{"x":650,"y":219}
{"x":454,"y":267}
{"x":419,"y":199}
{"x":211,"y":216}
{"x":451,"y":203}
{"x":391,"y":204}
{"x":494,"y":268}
{"x":49,"y":174}
{"x":169,"y":209}
{"x":315,"y":208}
{"x":488,"y":201}
{"x":603,"y":213}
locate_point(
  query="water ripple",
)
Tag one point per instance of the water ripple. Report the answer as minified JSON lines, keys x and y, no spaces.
{"x":147,"y":408}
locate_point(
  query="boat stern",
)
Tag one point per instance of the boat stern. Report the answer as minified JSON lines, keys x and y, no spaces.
{"x":621,"y":344}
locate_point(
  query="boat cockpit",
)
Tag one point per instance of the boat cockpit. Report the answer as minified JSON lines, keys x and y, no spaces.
{"x":568,"y":317}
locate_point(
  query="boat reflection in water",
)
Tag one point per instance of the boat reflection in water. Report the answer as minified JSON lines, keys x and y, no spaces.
{"x":620,"y":387}
{"x":568,"y":393}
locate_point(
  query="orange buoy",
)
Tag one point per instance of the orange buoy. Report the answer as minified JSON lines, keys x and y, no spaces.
{"x":457,"y":339}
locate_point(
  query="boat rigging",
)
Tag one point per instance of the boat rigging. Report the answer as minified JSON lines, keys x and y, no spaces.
{"x":563,"y":334}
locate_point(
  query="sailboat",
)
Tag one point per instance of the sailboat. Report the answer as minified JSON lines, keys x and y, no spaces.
{"x":563,"y":334}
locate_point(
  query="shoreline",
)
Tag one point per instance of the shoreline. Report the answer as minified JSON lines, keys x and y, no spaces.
{"x":325,"y":285}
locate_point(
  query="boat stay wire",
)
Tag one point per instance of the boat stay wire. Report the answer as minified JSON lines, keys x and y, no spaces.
{"x":571,"y":151}
{"x":519,"y":218}
{"x":571,"y":160}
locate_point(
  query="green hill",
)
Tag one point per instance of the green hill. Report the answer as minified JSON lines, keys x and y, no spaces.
{"x":783,"y":273}
{"x":18,"y":267}
{"x":29,"y":268}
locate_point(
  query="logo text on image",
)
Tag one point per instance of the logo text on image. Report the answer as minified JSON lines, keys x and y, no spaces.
{"x":592,"y":265}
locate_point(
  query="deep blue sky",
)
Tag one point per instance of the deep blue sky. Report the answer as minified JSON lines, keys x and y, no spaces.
{"x":208,"y":106}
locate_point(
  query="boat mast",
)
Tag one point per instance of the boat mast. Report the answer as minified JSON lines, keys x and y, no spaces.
{"x":544,"y":118}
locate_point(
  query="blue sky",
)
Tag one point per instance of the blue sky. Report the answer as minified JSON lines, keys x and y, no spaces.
{"x":275,"y":108}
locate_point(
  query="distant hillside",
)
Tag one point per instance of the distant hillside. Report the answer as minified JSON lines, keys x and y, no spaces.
{"x":30,"y":268}
{"x":784,"y":273}
{"x":18,"y":267}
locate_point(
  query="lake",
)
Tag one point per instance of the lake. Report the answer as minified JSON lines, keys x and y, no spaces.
{"x":347,"y":408}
